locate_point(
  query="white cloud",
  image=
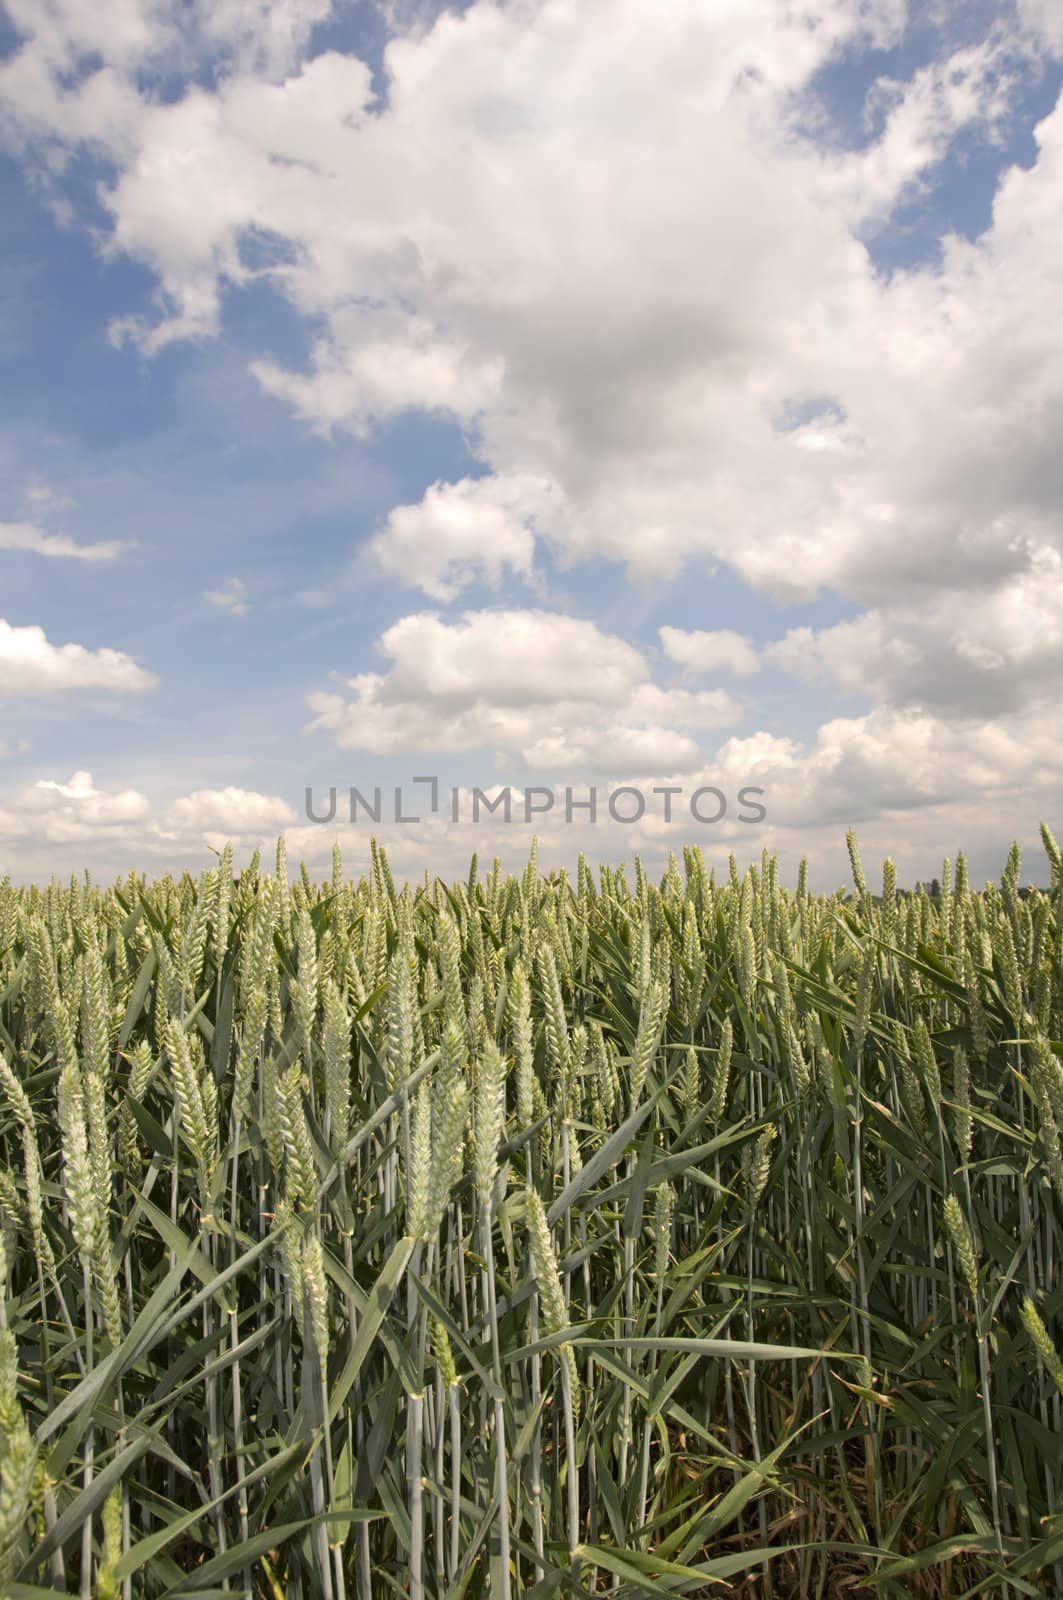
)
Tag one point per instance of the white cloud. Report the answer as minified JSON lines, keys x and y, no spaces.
{"x":62,"y":32}
{"x":25,"y":536}
{"x":230,"y":811}
{"x":31,"y":665}
{"x":231,"y":596}
{"x":267,"y":36}
{"x":993,"y":651}
{"x":126,"y":34}
{"x":711,"y":651}
{"x":75,"y":823}
{"x":551,"y":690}
{"x":1045,"y":19}
{"x":461,"y":533}
{"x":73,"y":814}
{"x":383,"y":363}
{"x":973,"y":88}
{"x":900,"y":761}
{"x":522,"y":657}
{"x":413,"y":16}
{"x":79,"y":787}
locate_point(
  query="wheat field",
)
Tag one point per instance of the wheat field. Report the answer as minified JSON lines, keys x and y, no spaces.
{"x":531,"y":1236}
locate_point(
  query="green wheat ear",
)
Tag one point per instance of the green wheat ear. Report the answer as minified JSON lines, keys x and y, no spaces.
{"x":420,"y":1164}
{"x":18,"y":1458}
{"x":721,"y":1074}
{"x":1042,"y":1342}
{"x":760,"y":1166}
{"x":651,"y":1022}
{"x":664,"y":1204}
{"x":108,"y":1586}
{"x":523,"y":1050}
{"x":488,"y":1121}
{"x":548,"y":1281}
{"x":78,"y":1179}
{"x":962,"y":1243}
{"x":315,"y":1296}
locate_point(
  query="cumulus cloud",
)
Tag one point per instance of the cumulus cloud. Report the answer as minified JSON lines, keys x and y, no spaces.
{"x":31,"y":665}
{"x":383,"y":363}
{"x":230,"y":811}
{"x":253,"y":34}
{"x":79,"y":787}
{"x":62,"y":32}
{"x":258,"y":35}
{"x":973,"y":88}
{"x":1045,"y":20}
{"x":712,"y":651}
{"x":475,"y":530}
{"x":992,"y":652}
{"x":25,"y":536}
{"x":54,"y":825}
{"x":897,"y":761}
{"x":73,"y":813}
{"x":552,"y":690}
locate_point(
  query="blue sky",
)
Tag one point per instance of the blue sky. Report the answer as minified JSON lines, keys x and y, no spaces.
{"x":770,"y":407}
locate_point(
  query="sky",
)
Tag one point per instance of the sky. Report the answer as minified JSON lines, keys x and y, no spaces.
{"x":559,"y":397}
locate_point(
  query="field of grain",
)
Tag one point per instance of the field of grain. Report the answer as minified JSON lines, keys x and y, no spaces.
{"x":531,"y":1237}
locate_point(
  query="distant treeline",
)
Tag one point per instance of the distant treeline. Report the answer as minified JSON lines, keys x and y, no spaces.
{"x":933,"y":889}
